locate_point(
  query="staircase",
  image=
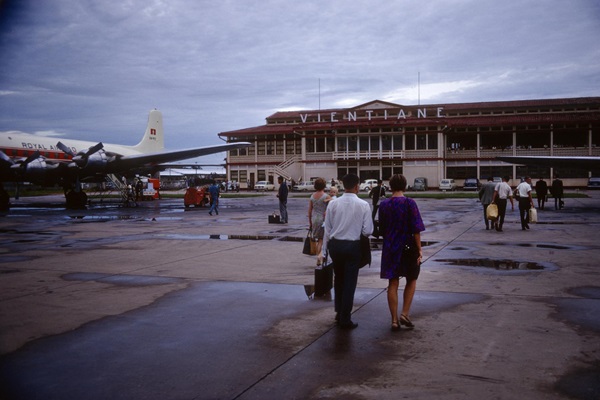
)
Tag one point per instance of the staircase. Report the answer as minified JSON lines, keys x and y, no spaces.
{"x":118,"y":185}
{"x":281,"y":169}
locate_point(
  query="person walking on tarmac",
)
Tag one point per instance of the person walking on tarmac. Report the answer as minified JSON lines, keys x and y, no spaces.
{"x":486,"y":195}
{"x":502,"y":193}
{"x":214,"y":192}
{"x":347,"y":218}
{"x":282,"y":195}
{"x":525,"y":201}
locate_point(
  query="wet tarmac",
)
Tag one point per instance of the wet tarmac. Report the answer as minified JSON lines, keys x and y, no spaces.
{"x":160,"y":302}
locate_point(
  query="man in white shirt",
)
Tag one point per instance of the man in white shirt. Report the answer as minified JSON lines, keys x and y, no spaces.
{"x":346,"y":219}
{"x":502,"y":193}
{"x":525,"y":201}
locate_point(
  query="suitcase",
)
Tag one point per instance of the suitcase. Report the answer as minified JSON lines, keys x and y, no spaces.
{"x":323,"y":280}
{"x":274,"y":219}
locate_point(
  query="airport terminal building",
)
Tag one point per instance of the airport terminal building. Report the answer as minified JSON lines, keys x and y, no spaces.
{"x":435,"y":141}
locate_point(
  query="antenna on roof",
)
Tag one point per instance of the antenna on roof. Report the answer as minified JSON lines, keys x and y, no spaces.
{"x":419,"y":88}
{"x":319,"y":93}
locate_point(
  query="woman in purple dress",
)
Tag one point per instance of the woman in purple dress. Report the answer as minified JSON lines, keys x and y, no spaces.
{"x":400,"y":223}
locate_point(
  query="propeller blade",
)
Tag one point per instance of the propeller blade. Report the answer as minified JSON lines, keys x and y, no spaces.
{"x":65,"y":149}
{"x":6,"y":158}
{"x":94,"y":149}
{"x":34,"y":156}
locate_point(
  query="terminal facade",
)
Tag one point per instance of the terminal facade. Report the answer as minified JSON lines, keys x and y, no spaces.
{"x":378,"y":139}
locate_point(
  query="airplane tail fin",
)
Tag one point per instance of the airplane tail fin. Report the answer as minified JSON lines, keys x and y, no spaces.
{"x":154,"y":139}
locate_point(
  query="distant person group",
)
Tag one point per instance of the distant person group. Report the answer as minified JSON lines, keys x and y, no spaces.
{"x":500,"y":193}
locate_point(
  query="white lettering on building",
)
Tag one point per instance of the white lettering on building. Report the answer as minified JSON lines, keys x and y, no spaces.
{"x":352,"y":116}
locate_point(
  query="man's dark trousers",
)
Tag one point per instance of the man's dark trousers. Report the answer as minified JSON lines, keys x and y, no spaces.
{"x":345,"y":255}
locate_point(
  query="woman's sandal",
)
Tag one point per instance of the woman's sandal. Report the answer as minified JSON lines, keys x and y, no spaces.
{"x":395,"y":326}
{"x":406,"y":322}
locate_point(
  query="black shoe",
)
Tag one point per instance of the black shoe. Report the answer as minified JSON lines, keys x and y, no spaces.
{"x":406,"y":322}
{"x":209,"y":213}
{"x":348,"y":325}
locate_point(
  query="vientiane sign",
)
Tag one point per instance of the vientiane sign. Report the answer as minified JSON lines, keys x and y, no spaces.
{"x":350,"y":116}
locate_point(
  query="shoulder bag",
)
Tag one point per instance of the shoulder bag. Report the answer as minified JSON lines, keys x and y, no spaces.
{"x":410,"y":252}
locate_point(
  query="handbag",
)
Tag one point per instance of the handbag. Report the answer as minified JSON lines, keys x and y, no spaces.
{"x":410,"y":252}
{"x":310,"y":245}
{"x":491,"y":212}
{"x":365,"y":251}
{"x":533,"y":215}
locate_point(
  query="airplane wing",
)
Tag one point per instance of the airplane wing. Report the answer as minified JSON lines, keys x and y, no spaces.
{"x":585,"y":162}
{"x":121,"y":163}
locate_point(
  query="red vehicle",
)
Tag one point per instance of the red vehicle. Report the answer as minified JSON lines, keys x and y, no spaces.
{"x":196,"y":196}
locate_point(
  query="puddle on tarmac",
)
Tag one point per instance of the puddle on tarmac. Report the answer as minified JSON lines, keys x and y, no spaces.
{"x":500,"y":265}
{"x":231,"y":237}
{"x":539,"y":245}
{"x":120,"y":280}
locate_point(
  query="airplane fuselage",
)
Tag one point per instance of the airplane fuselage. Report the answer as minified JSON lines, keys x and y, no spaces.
{"x":67,"y":162}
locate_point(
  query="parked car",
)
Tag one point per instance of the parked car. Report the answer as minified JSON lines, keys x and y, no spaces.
{"x":593,"y":183}
{"x":367,"y":185}
{"x":304,"y":186}
{"x":264,"y":186}
{"x":471,"y":184}
{"x":447,"y":184}
{"x":420,"y":184}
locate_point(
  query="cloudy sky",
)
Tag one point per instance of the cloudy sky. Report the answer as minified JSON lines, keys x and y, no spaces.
{"x":92,"y":69}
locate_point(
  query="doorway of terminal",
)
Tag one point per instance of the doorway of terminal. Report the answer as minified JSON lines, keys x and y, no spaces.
{"x":369,"y":174}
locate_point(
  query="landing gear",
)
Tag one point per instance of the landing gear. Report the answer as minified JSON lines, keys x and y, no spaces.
{"x":76,"y":200}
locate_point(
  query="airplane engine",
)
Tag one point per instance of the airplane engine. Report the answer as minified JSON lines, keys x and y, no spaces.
{"x":95,"y":162}
{"x":32,"y":170}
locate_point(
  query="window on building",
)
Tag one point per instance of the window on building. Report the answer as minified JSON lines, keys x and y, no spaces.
{"x":352,"y":143}
{"x":342,"y":144}
{"x":261,"y":148}
{"x":536,"y":138}
{"x":570,"y":137}
{"x":386,"y":173}
{"x":252,"y":149}
{"x":432,"y":142}
{"x":279,"y":147}
{"x":261,"y":175}
{"x":421,"y":142}
{"x":461,"y":172}
{"x":534,"y":172}
{"x":486,"y":171}
{"x":243,"y":175}
{"x":310,"y":145}
{"x":364,"y":143}
{"x":270,"y":148}
{"x":410,"y":142}
{"x":374,"y":143}
{"x":234,"y":176}
{"x":386,"y":143}
{"x":330,"y":144}
{"x":320,"y":142}
{"x":491,"y":141}
{"x":397,"y":142}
